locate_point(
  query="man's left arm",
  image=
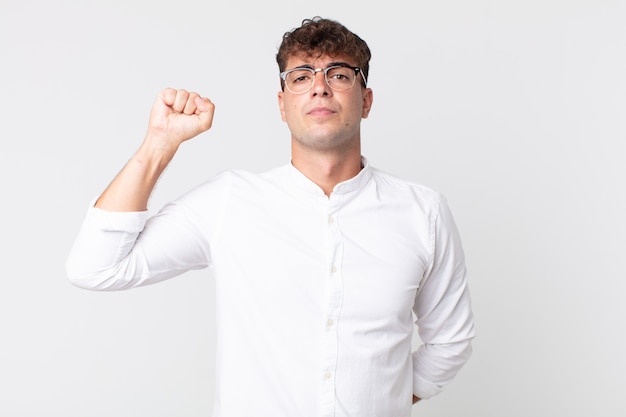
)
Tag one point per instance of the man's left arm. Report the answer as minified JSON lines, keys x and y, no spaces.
{"x":443,"y":310}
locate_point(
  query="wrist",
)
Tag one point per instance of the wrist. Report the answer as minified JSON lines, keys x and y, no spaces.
{"x":155,"y":151}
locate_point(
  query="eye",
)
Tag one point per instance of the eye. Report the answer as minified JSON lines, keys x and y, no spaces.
{"x":300,"y":76}
{"x":341,"y":74}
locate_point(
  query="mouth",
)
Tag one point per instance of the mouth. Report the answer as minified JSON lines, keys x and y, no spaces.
{"x":320,"y":111}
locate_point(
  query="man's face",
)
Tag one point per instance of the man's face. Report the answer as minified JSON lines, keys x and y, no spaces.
{"x":323,"y":119}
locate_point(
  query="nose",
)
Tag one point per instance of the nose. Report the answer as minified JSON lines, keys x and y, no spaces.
{"x":320,"y":86}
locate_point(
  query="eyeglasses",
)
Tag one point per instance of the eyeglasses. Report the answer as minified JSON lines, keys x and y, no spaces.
{"x":339,"y":77}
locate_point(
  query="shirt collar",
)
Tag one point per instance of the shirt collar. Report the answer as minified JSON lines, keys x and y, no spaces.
{"x":345,"y":187}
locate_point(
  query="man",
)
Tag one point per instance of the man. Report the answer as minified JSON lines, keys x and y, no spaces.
{"x":319,"y":265}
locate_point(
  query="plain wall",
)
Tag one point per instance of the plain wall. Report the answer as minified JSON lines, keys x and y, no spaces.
{"x":515,"y":110}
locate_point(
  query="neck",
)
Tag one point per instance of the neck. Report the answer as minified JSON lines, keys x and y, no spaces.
{"x":327,"y":169}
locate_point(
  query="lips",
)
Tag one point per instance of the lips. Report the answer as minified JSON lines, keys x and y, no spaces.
{"x":320,"y":111}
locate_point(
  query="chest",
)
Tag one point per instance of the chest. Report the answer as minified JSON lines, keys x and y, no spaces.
{"x":373,"y":256}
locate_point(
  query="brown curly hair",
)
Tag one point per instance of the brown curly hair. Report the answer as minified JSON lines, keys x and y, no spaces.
{"x":318,"y":36}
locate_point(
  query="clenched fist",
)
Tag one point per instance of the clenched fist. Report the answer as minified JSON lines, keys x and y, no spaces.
{"x":178,"y":115}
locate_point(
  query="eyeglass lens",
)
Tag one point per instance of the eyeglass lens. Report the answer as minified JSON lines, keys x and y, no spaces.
{"x":338,"y":78}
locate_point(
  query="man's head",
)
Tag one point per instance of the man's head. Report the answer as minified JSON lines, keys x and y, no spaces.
{"x":324,"y":111}
{"x":317,"y":37}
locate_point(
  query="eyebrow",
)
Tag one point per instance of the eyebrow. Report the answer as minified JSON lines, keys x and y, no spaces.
{"x":332,"y":64}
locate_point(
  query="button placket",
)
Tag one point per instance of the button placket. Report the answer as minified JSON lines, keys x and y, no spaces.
{"x":334,"y":292}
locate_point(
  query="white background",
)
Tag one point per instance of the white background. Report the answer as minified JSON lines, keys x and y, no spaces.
{"x":515,"y":110}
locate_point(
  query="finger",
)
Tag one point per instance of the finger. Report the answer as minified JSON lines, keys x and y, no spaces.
{"x":203,"y":104}
{"x":205,"y":112}
{"x":180,"y":101}
{"x":168,"y":96}
{"x":190,"y":106}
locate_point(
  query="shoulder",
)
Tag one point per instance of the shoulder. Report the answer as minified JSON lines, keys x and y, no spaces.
{"x":394,"y":187}
{"x":423,"y":203}
{"x":232,"y":182}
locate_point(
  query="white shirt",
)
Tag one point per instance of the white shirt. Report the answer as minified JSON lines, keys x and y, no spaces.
{"x":315,"y":294}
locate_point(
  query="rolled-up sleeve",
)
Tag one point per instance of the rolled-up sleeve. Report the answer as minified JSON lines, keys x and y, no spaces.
{"x":121,"y":250}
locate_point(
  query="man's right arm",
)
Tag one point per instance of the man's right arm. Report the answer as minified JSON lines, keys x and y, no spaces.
{"x":115,"y":247}
{"x":176,"y":116}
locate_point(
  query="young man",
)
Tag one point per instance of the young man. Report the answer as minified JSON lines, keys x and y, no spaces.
{"x":319,"y":264}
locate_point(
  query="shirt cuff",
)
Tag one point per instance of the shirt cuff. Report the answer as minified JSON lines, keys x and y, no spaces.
{"x":113,"y":221}
{"x":424,"y":389}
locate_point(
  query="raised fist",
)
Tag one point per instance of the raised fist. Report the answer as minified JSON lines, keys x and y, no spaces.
{"x":178,"y":115}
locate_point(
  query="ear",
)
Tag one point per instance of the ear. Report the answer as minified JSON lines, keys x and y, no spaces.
{"x":368,"y":99}
{"x":281,"y":105}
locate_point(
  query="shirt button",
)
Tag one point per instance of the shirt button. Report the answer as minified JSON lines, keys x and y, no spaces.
{"x":333,"y":269}
{"x":327,"y":375}
{"x":330,"y":322}
{"x":331,"y":220}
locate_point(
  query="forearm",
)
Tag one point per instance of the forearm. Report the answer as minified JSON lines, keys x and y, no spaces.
{"x":131,"y":188}
{"x":176,"y":116}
